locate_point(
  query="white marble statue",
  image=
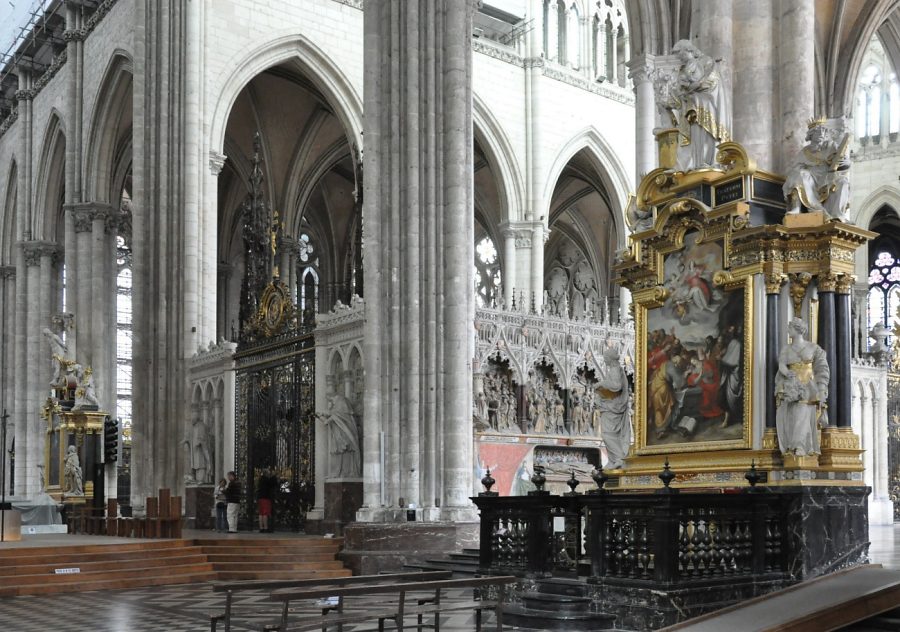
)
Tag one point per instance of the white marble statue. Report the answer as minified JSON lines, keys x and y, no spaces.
{"x":615,"y":427}
{"x":343,"y":438}
{"x":697,"y":104}
{"x":801,"y":392}
{"x":74,"y":482}
{"x":819,"y":180}
{"x":62,"y":363}
{"x":85,"y":393}
{"x":199,"y":452}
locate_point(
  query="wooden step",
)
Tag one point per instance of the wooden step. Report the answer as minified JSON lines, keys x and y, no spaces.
{"x":31,"y":551}
{"x":74,"y":559}
{"x":84,"y":585}
{"x":262,"y":541}
{"x":260,"y":574}
{"x":215,"y":556}
{"x":115,"y":574}
{"x":21,"y":570}
{"x":278,"y":566}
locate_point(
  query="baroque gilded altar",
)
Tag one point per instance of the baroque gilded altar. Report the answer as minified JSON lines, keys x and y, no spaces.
{"x":717,"y":269}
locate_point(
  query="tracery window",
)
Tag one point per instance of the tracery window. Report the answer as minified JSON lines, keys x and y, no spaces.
{"x":884,"y":290}
{"x":308,"y":287}
{"x":487,"y":272}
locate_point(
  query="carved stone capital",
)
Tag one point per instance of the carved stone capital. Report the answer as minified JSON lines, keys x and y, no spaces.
{"x":774,"y":281}
{"x":640,"y":67}
{"x":799,"y":282}
{"x":216,"y":162}
{"x":36,"y":250}
{"x":827,"y":282}
{"x":845,"y":283}
{"x":24,"y":95}
{"x":73,"y":35}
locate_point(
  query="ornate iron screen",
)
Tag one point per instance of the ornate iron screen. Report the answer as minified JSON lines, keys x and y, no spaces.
{"x":275,"y":424}
{"x":893,"y":388}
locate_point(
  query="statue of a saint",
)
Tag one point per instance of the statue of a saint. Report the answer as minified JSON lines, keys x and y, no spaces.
{"x":343,"y":437}
{"x":62,"y":364}
{"x":199,"y":451}
{"x":697,"y":103}
{"x":74,"y":482}
{"x":85,"y":394}
{"x":801,"y":391}
{"x":820,"y":179}
{"x":615,"y":427}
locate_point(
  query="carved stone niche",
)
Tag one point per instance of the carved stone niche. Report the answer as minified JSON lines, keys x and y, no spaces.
{"x":561,"y":461}
{"x":544,"y":403}
{"x":496,"y":399}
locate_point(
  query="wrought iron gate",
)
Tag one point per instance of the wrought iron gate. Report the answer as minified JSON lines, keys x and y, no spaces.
{"x":893,"y":397}
{"x":275,"y":425}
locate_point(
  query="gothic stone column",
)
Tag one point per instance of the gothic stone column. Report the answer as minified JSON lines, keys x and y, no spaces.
{"x":796,"y":74}
{"x":419,"y":234}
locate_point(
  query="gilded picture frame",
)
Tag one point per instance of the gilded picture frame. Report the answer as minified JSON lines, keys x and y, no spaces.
{"x":699,"y":412}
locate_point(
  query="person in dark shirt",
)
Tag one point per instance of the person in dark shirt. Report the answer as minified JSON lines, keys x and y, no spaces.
{"x":233,"y":500}
{"x":265,"y":494}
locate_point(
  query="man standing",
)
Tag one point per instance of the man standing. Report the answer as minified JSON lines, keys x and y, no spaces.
{"x":233,"y":500}
{"x":265,"y":493}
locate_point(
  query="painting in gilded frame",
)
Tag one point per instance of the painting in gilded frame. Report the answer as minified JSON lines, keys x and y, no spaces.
{"x":696,"y":367}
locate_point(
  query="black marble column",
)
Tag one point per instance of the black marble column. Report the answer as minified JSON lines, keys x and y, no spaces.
{"x":842,"y":373}
{"x":773,"y":335}
{"x":828,"y":342}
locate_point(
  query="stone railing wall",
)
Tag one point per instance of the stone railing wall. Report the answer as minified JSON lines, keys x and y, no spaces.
{"x":211,"y":380}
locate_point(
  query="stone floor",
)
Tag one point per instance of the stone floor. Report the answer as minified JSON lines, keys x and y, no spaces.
{"x":186,"y":608}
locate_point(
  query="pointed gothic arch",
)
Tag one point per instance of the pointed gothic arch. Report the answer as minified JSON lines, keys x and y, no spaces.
{"x":50,"y":182}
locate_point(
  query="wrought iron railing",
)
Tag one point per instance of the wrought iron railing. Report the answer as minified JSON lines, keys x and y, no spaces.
{"x":638,"y":539}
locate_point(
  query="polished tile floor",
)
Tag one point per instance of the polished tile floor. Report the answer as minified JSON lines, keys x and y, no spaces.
{"x":187,"y":608}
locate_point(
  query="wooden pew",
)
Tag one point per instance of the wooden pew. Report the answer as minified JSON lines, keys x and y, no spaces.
{"x":230,"y":588}
{"x":396,"y":613}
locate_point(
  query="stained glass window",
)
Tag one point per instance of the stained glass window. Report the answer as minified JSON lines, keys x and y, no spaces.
{"x":884,"y":291}
{"x":487,"y":272}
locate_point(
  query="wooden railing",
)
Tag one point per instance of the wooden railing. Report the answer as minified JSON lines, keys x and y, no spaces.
{"x":638,"y":539}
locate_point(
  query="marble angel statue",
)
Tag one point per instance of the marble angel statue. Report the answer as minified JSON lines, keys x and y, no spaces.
{"x":801,"y":393}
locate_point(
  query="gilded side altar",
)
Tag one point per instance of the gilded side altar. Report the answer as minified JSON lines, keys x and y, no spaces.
{"x":716,"y":270}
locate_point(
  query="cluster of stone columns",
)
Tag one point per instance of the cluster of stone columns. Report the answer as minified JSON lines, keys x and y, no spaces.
{"x":418,"y":251}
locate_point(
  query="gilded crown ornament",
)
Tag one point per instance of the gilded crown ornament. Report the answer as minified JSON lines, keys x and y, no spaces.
{"x":818,"y":121}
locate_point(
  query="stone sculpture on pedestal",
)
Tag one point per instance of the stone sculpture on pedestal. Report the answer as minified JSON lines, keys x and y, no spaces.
{"x":801,"y":390}
{"x":696,"y":102}
{"x":199,"y":456}
{"x":85,"y":393}
{"x":343,"y":436}
{"x":74,"y":482}
{"x":61,"y":362}
{"x":820,"y":179}
{"x":615,"y":428}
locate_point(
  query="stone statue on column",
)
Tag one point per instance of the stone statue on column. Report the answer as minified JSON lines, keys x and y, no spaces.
{"x":199,"y":451}
{"x":801,"y":392}
{"x":820,"y":180}
{"x":696,"y":102}
{"x":615,"y":427}
{"x":343,"y":438}
{"x":62,"y":362}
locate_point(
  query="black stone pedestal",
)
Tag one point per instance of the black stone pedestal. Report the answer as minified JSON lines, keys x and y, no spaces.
{"x":828,"y":527}
{"x":374,"y":547}
{"x":199,"y":507}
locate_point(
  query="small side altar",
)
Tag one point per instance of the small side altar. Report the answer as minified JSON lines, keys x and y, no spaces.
{"x":73,"y":447}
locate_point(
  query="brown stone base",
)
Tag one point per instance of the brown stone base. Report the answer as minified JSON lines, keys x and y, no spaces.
{"x":375,"y":547}
{"x":199,"y":507}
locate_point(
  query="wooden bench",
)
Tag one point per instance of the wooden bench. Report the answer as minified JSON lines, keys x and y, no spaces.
{"x":397,"y":612}
{"x":230,"y":588}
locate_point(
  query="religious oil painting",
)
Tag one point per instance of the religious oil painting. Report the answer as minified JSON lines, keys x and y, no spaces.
{"x":695,"y":354}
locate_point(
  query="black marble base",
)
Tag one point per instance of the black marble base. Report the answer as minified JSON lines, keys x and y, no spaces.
{"x":371,"y":548}
{"x":829,"y":529}
{"x":653,"y":608}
